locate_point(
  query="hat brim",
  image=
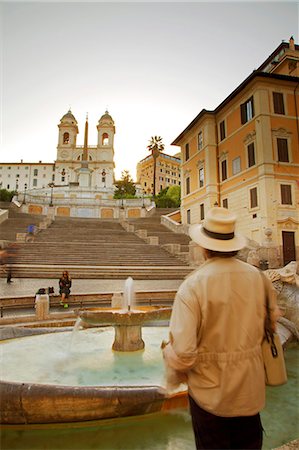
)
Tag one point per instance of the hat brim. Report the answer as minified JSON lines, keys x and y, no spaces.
{"x":218,"y":245}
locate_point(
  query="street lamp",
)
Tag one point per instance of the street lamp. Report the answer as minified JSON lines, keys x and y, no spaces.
{"x":51,"y":185}
{"x":25,"y":189}
{"x":143,"y":206}
{"x":122,"y":197}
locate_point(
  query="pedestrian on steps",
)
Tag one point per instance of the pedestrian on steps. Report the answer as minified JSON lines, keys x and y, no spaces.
{"x":65,"y":284}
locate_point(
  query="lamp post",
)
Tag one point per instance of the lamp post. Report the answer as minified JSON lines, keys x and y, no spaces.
{"x":51,"y":185}
{"x":122,"y":197}
{"x":25,"y":189}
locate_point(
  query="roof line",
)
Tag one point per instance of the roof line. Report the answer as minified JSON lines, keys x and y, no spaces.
{"x":254,"y":74}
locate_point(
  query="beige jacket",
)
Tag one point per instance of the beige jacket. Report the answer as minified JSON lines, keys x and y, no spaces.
{"x":216,"y":330}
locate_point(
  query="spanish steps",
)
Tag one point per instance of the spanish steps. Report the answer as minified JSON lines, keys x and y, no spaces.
{"x":90,"y":248}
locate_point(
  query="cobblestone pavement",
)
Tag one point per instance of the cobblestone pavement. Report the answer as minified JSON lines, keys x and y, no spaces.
{"x":29,"y":286}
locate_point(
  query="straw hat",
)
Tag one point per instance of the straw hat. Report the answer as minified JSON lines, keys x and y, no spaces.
{"x":218,"y":232}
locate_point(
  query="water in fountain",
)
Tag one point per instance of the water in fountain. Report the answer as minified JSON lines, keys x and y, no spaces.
{"x":129,"y":294}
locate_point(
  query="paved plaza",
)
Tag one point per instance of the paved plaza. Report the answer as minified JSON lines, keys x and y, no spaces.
{"x":29,"y":286}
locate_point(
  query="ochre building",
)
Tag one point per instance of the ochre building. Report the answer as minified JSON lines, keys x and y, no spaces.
{"x":167,"y":172}
{"x":244,"y":155}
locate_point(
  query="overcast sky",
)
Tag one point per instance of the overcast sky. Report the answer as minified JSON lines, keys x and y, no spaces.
{"x":153,"y":65}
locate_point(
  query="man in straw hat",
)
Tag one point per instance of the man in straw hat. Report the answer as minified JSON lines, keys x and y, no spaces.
{"x":216,"y":331}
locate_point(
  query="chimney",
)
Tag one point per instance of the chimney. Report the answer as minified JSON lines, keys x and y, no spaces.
{"x":292,"y":43}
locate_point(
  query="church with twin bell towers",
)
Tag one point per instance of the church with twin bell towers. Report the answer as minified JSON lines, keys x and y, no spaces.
{"x":87,"y":166}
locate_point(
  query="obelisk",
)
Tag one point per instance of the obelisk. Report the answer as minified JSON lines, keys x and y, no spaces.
{"x":84,"y":171}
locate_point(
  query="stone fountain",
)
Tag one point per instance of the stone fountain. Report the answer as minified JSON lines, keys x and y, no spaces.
{"x":59,"y":386}
{"x":127,"y":321}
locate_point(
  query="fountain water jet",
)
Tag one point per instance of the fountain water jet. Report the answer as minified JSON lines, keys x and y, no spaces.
{"x":127,"y":321}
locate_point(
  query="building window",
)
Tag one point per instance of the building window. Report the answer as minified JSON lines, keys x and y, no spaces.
{"x":35,"y":172}
{"x":187,"y":154}
{"x":225,"y":203}
{"x":253,"y":197}
{"x":222,"y":131}
{"x":251,"y":154}
{"x":66,"y":138}
{"x":200,"y":141}
{"x":35,"y":182}
{"x":188,"y":216}
{"x":286,"y":194}
{"x":202,"y":211}
{"x":247,"y":110}
{"x":224,"y":170}
{"x":282,"y":150}
{"x":201,"y":177}
{"x":236,"y":165}
{"x":105,"y":139}
{"x":187,"y":185}
{"x":278,"y":103}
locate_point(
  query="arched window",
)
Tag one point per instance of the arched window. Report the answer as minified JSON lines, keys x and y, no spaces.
{"x":79,"y":158}
{"x":66,"y":138}
{"x":105,"y":139}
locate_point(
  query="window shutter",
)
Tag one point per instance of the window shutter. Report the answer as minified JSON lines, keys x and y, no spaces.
{"x":223,"y":170}
{"x":243,"y":113}
{"x":252,"y":105}
{"x":253,"y":198}
{"x":278,"y":103}
{"x":286,"y":194}
{"x":251,"y":155}
{"x":282,"y":150}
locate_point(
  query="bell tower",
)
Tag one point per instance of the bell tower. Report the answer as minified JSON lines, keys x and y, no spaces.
{"x":106,"y":132}
{"x":67,"y":137}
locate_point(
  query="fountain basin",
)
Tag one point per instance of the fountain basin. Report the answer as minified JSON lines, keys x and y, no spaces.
{"x":127,"y":323}
{"x":62,"y":377}
{"x":29,"y":403}
{"x":115,"y":316}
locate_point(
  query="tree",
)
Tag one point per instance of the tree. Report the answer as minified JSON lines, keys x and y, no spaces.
{"x":169,"y":197}
{"x":6,"y":196}
{"x":125,"y":187}
{"x":155,"y":146}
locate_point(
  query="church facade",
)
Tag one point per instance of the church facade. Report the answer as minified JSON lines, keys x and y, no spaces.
{"x":86,"y":166}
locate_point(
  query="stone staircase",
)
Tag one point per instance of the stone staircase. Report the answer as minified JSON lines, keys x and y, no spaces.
{"x":175,"y":243}
{"x":93,"y":248}
{"x":17,"y":222}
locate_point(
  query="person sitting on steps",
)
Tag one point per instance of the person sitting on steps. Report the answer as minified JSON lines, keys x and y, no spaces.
{"x":65,"y":284}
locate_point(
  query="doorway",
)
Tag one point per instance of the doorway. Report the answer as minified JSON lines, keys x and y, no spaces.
{"x":288,"y":247}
